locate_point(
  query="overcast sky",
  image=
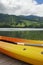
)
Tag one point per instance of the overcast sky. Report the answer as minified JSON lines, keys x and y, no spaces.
{"x":22,"y":7}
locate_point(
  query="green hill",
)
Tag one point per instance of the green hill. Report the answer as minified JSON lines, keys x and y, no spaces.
{"x":12,"y":21}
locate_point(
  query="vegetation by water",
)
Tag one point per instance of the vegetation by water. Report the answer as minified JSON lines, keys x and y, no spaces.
{"x":34,"y":35}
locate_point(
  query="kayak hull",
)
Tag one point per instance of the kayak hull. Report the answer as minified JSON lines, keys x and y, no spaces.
{"x":29,"y":54}
{"x":20,"y":40}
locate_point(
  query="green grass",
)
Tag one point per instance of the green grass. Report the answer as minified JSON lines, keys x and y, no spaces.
{"x":22,"y":24}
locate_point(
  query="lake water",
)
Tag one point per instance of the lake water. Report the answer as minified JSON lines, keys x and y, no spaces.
{"x":34,"y":35}
{"x":21,"y":29}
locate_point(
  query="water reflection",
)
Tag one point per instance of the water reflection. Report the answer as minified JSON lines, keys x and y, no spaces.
{"x":37,"y":35}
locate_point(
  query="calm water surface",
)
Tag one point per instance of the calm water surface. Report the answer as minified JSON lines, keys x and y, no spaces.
{"x":37,"y":35}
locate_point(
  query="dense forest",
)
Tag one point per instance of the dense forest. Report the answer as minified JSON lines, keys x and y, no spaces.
{"x":13,"y":21}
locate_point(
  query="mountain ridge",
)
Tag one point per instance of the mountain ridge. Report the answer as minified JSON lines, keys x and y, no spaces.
{"x":20,"y":21}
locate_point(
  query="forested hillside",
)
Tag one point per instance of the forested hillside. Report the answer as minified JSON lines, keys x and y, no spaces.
{"x":20,"y":21}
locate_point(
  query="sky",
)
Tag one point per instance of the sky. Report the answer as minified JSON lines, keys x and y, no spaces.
{"x":22,"y":7}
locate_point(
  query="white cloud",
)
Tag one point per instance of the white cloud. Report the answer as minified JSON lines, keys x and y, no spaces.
{"x":22,"y":7}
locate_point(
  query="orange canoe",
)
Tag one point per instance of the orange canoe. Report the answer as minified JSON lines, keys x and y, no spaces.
{"x":10,"y":39}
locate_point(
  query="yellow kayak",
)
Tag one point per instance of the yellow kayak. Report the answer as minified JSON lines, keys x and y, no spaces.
{"x":29,"y":54}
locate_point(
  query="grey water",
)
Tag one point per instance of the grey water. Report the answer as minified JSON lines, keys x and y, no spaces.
{"x":21,"y":29}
